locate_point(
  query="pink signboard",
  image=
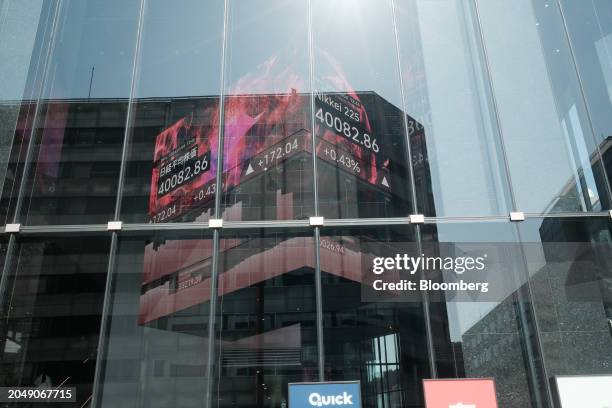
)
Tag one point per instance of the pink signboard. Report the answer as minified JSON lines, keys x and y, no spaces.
{"x":460,"y":393}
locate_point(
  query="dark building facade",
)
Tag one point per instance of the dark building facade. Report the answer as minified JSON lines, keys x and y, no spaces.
{"x":193,"y":195}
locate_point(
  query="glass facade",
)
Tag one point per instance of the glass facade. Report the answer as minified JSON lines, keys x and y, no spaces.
{"x":256,"y":158}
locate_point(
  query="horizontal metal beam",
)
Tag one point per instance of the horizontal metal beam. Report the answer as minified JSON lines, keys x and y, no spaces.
{"x":280,"y":224}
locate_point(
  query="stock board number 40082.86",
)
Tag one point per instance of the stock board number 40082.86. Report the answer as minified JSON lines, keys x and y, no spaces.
{"x":342,"y":127}
{"x":176,"y":179}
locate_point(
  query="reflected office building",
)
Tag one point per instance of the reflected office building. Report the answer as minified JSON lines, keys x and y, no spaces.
{"x":195,"y":198}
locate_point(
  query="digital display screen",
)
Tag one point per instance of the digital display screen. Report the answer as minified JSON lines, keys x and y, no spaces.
{"x":261,"y":131}
{"x":346,"y":138}
{"x":184,"y":165}
{"x":355,"y":133}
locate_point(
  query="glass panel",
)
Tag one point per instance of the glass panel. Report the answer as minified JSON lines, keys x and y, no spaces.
{"x":79,"y":130}
{"x":590,"y":28}
{"x":447,"y":92}
{"x":489,"y":338}
{"x":359,"y":120}
{"x":267,"y":161}
{"x":4,"y":240}
{"x":51,"y":313}
{"x":171,"y":164}
{"x":24,"y":36}
{"x":381,"y":344}
{"x":266,"y":317}
{"x":156,"y":349}
{"x":549,"y":143}
{"x":570,"y":264}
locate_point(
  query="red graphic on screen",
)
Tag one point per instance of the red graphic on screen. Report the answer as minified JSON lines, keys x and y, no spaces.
{"x":255,"y":122}
{"x":342,"y":120}
{"x":184,"y":167}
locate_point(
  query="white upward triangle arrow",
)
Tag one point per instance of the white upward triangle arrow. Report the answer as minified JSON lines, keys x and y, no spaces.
{"x":384,"y":182}
{"x":249,"y":170}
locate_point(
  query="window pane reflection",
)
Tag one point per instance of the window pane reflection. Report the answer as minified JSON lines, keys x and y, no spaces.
{"x":458,"y":165}
{"x":23,"y":35}
{"x":79,"y":131}
{"x":570,"y":265}
{"x":266,"y":317}
{"x":551,"y":152}
{"x":359,"y":120}
{"x":490,"y":339}
{"x":173,"y":135}
{"x":590,"y":28}
{"x":267,"y":164}
{"x":156,"y":349}
{"x":381,"y":344}
{"x":51,"y":313}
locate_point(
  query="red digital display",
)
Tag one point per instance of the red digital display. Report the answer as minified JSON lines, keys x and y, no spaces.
{"x":260,"y":133}
{"x":346,"y":138}
{"x":184,"y":165}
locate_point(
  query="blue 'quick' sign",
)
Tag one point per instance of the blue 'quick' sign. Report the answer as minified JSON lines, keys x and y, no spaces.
{"x":325,"y":394}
